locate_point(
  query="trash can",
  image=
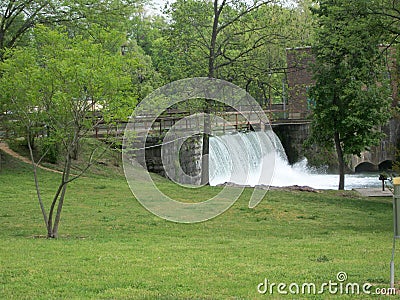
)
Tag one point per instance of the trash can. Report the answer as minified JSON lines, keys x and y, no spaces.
{"x":396,"y":206}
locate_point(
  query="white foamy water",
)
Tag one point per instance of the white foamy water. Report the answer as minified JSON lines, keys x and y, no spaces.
{"x":258,"y":158}
{"x":300,"y":174}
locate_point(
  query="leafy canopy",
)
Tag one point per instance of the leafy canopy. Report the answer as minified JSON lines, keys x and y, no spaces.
{"x":352,"y":89}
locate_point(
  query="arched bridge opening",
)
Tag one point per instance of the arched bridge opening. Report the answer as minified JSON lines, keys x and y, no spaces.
{"x":386,"y":165}
{"x":366,"y":167}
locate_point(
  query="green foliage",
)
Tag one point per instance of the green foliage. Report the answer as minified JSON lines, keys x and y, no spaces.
{"x":388,"y":12}
{"x":50,"y":149}
{"x":245,"y":45}
{"x":60,"y":88}
{"x":396,"y":163}
{"x":59,"y":78}
{"x":352,"y":90}
{"x":80,"y":17}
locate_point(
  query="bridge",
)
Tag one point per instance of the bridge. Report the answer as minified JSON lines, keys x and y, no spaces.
{"x":379,"y":157}
{"x":291,"y":126}
{"x":292,"y":132}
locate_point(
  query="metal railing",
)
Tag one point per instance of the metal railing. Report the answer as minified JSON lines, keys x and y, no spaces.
{"x":276,"y":116}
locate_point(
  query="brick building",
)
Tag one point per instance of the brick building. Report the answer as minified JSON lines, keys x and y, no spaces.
{"x":299,"y":79}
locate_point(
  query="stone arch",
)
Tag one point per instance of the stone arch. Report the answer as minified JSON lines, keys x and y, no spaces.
{"x":386,"y":165}
{"x":366,"y":166}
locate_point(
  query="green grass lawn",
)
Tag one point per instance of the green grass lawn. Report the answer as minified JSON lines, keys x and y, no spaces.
{"x":112,"y":248}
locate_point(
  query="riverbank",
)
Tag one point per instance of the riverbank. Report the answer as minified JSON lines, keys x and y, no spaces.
{"x":365,"y":192}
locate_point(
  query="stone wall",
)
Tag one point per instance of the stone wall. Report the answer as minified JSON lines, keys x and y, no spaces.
{"x":378,"y":157}
{"x":179,"y":160}
{"x":292,"y":137}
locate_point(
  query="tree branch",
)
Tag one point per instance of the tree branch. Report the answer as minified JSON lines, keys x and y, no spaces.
{"x":243,"y":13}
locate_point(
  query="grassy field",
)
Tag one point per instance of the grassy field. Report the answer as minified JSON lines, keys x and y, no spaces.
{"x":112,"y":248}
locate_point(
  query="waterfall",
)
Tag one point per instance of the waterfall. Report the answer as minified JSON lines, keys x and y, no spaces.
{"x":244,"y":158}
{"x":258,"y":158}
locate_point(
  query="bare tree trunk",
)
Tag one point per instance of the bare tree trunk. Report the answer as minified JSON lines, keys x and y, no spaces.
{"x":75,"y":152}
{"x":58,"y":199}
{"x":62,"y":188}
{"x":31,"y":141}
{"x":215,"y":51}
{"x":339,"y":152}
{"x":205,"y":167}
{"x":214,"y":35}
{"x":61,"y":199}
{"x":51,"y":211}
{"x":35,"y":176}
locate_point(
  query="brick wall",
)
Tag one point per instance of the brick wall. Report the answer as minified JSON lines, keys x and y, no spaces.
{"x":299,"y":77}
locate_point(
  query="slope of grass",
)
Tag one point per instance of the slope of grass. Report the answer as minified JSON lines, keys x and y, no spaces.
{"x":112,"y":248}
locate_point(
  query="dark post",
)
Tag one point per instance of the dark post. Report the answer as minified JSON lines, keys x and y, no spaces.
{"x":383,"y":177}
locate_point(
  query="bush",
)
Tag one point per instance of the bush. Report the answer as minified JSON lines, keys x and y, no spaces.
{"x":49,"y":149}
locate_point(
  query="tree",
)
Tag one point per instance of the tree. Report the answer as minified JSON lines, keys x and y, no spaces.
{"x":17,"y":17}
{"x":351,"y":91}
{"x":251,"y":52}
{"x":262,"y":73}
{"x":52,"y":87}
{"x":213,"y":35}
{"x":389,"y":13}
{"x":219,"y":39}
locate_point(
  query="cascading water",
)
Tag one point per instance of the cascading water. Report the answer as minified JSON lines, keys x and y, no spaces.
{"x":258,"y":158}
{"x":244,"y":158}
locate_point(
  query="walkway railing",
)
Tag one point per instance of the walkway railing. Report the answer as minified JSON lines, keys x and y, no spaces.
{"x":232,"y":119}
{"x":169,"y":119}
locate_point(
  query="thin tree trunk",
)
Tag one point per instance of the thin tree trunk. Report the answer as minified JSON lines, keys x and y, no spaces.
{"x":339,"y":152}
{"x":53,"y":205}
{"x":61,"y":200}
{"x":35,"y":176}
{"x":205,"y":167}
{"x":213,"y":42}
{"x":75,"y":152}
